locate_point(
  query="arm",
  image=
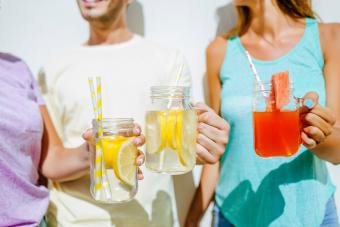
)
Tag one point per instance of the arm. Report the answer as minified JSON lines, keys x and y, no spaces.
{"x":321,"y":133}
{"x":62,"y":164}
{"x":210,"y":173}
{"x":57,"y":162}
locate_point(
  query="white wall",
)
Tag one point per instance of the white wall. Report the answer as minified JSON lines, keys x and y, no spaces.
{"x":36,"y":30}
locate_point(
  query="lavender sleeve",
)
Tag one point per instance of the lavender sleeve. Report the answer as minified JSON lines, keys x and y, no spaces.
{"x":37,"y":93}
{"x":34,"y":86}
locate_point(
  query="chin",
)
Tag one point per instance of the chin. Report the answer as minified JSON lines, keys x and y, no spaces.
{"x":93,"y":8}
{"x":93,"y":14}
{"x":243,"y":2}
{"x":101,"y":10}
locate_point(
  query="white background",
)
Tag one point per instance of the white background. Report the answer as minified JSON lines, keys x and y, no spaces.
{"x":37,"y":30}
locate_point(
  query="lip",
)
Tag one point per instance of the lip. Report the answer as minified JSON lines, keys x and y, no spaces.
{"x":91,"y":3}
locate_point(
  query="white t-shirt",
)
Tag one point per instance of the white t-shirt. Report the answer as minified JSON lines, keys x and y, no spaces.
{"x":127,"y":71}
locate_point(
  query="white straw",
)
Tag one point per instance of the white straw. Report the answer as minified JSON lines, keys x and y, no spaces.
{"x":178,"y":76}
{"x":253,"y":69}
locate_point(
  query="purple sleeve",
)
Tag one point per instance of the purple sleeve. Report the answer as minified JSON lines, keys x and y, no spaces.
{"x":37,"y":92}
{"x":34,"y":86}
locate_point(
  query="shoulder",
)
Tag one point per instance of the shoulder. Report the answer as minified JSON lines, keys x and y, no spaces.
{"x":329,"y":30}
{"x":217,"y":48}
{"x":329,"y":37}
{"x":14,"y":65}
{"x":215,"y":53}
{"x":9,"y":57}
{"x":158,"y":50}
{"x":54,"y":68}
{"x":11,"y":61}
{"x":59,"y":62}
{"x":160,"y":54}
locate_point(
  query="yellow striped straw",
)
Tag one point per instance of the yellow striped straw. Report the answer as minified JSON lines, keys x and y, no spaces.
{"x":97,"y":175}
{"x":93,"y":98}
{"x":100,"y":160}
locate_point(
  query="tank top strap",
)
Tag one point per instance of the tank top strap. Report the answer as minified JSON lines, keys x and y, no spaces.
{"x":312,"y":40}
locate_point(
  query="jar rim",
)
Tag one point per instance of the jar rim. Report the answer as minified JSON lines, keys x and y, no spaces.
{"x":267,"y":86}
{"x":170,"y":91}
{"x":115,"y":123}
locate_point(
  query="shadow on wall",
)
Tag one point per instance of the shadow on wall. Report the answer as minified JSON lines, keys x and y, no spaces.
{"x":184,"y":188}
{"x":135,"y":18}
{"x":122,"y":215}
{"x":226,"y":16}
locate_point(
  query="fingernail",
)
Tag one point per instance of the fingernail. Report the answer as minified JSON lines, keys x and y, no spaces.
{"x":136,"y":131}
{"x":137,"y":141}
{"x":139,"y":162}
{"x":309,"y":103}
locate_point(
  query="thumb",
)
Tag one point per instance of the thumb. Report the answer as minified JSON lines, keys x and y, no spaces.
{"x":309,"y":101}
{"x":200,"y":107}
{"x":88,"y":136}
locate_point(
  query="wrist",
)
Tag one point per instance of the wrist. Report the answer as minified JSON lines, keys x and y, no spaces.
{"x":191,"y":222}
{"x":84,"y":155}
{"x":193,"y":218}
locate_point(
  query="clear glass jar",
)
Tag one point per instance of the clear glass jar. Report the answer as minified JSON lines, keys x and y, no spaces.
{"x":113,"y":167}
{"x":171,"y":131}
{"x":276,"y":130}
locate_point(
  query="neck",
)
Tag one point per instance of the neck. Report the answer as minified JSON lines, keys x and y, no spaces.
{"x":112,"y":32}
{"x":268,"y":20}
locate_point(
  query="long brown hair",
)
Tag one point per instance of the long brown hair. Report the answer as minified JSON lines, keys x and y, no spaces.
{"x":293,"y":8}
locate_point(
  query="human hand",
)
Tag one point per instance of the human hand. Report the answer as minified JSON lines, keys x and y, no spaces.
{"x":139,"y":141}
{"x":213,"y":135}
{"x":317,"y":121}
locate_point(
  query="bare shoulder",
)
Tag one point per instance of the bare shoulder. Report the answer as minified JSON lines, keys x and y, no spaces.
{"x":330,"y":31}
{"x":329,"y":37}
{"x":217,"y":48}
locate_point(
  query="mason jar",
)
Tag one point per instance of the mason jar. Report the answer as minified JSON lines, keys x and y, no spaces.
{"x":276,"y":130}
{"x":171,"y":131}
{"x":113,"y":167}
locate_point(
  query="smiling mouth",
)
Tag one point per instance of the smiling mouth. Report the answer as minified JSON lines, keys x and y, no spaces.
{"x":90,"y":2}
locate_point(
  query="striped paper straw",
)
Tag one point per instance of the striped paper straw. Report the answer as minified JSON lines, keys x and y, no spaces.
{"x":93,"y":98}
{"x":256,"y":75}
{"x":97,"y":174}
{"x":100,"y":160}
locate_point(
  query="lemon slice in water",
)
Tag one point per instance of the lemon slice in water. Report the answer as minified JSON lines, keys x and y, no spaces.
{"x":123,"y":157}
{"x":171,"y":128}
{"x":178,"y":138}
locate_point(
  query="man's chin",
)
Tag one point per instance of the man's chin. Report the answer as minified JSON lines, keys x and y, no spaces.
{"x":93,"y":15}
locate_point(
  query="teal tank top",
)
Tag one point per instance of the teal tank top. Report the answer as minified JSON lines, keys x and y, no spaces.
{"x":254,"y":191}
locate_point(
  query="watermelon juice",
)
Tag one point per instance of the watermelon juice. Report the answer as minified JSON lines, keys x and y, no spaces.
{"x":276,"y":118}
{"x":276,"y":133}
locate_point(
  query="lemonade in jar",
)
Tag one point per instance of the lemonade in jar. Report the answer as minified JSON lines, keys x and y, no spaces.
{"x":171,"y":130}
{"x":115,"y":181}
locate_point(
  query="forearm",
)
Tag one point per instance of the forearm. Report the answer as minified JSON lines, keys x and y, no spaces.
{"x":204,"y":194}
{"x":62,"y":164}
{"x":329,"y":150}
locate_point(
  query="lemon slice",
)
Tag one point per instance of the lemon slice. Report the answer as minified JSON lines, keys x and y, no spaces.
{"x":162,"y":118}
{"x":156,"y":130}
{"x":171,"y":127}
{"x":189,"y":133}
{"x":178,"y":138}
{"x":124,"y":163}
{"x":111,"y":146}
{"x":120,"y":153}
